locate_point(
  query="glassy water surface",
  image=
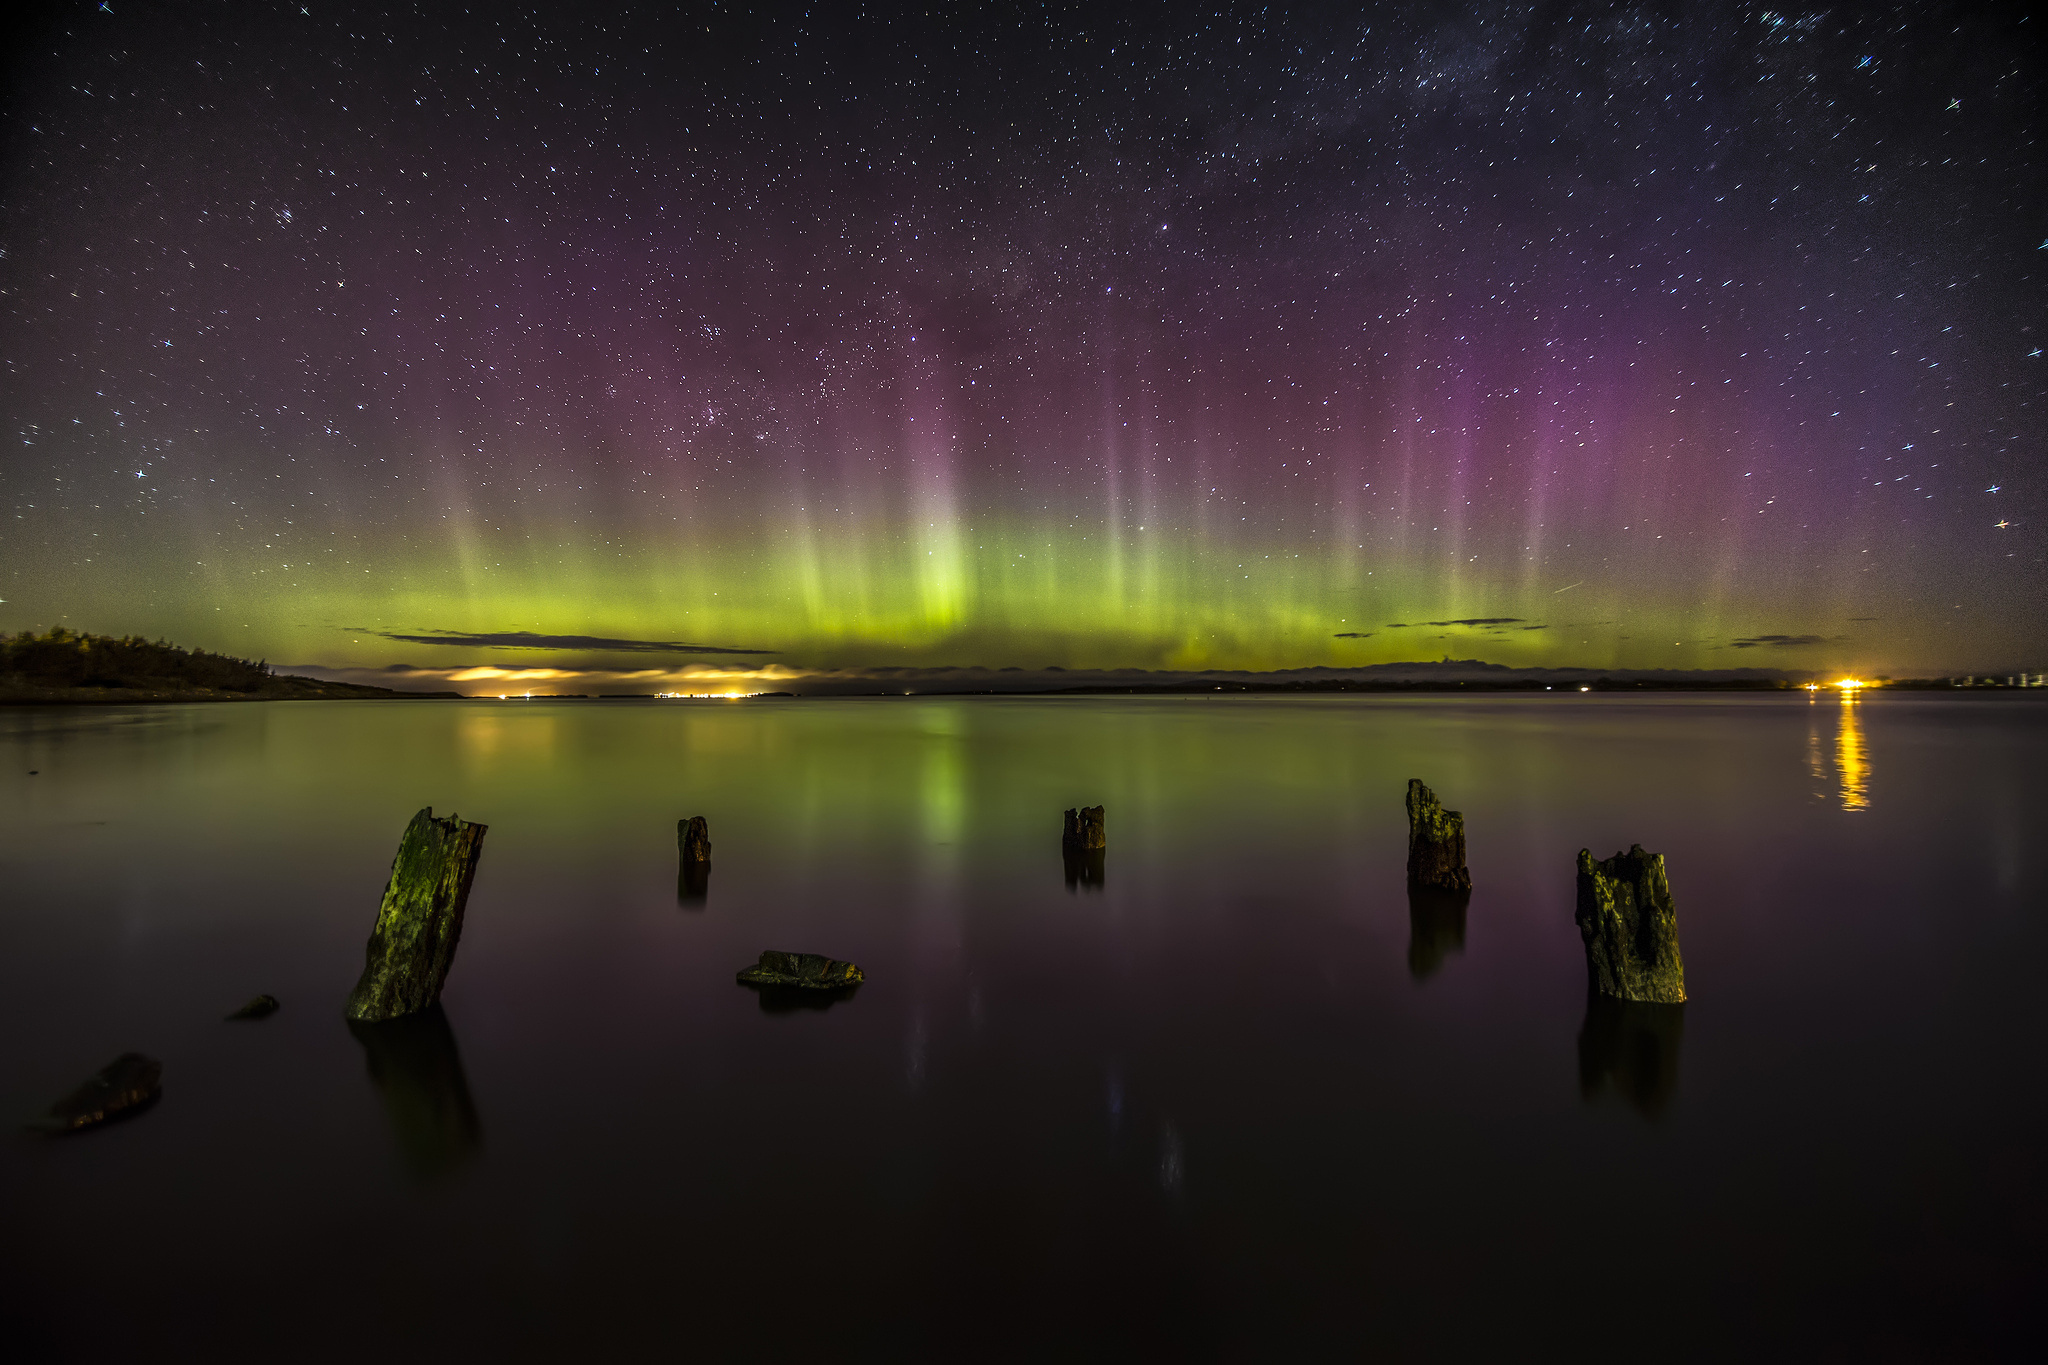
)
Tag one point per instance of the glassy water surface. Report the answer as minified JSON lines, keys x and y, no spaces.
{"x":1233,"y":1094}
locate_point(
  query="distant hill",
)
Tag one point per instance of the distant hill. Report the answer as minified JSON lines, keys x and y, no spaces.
{"x":69,"y":666}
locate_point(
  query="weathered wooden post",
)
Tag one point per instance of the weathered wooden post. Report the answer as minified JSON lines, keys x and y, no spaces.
{"x":1630,"y":927}
{"x":413,"y":943}
{"x":1436,"y":842}
{"x":1083,"y":830}
{"x":693,"y":839}
{"x":693,"y":859}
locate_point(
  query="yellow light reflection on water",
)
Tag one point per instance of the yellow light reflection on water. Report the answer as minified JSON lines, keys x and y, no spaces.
{"x":1852,"y":759}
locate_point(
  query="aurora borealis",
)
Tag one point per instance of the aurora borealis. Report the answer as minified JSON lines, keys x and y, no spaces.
{"x":1146,"y":336}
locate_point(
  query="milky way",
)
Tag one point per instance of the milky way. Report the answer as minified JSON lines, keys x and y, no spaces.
{"x":1655,"y":336}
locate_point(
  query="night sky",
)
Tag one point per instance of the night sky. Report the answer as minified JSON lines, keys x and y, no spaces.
{"x":721,"y":340}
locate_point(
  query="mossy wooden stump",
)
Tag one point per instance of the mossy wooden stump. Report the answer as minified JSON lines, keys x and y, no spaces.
{"x":1083,"y":830}
{"x":1436,"y":842}
{"x":420,"y":922}
{"x":693,"y":839}
{"x":1630,"y":927}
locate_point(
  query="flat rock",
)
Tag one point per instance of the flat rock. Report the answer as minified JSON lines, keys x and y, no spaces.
{"x":806,"y":971}
{"x":262,"y":1007}
{"x":124,"y":1086}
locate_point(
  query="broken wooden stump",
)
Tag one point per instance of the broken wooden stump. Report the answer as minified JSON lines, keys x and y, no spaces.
{"x":693,"y":860}
{"x":262,"y":1007}
{"x":1436,"y":842}
{"x":1630,"y":928}
{"x":1083,"y":829}
{"x":693,"y":839}
{"x":123,"y":1087}
{"x":420,"y":922}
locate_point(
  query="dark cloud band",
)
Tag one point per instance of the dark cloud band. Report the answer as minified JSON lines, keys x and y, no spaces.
{"x":526,"y":639}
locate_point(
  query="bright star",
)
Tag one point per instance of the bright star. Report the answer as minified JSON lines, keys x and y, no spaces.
{"x":2001,"y":525}
{"x":1992,"y":489}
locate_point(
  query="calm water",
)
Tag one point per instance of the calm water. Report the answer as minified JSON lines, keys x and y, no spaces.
{"x":1239,"y":1100}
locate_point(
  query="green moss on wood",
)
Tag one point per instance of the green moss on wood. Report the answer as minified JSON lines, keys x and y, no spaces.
{"x":420,"y":922}
{"x":1630,"y":927}
{"x":1436,"y":842}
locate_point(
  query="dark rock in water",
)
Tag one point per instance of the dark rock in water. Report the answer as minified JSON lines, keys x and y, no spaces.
{"x":262,"y":1007}
{"x":1630,"y":928}
{"x":417,"y":1070}
{"x":125,"y":1086}
{"x":1436,"y":928}
{"x":1436,"y":842}
{"x":693,"y":839}
{"x":801,"y":971}
{"x":1083,"y":868}
{"x":1631,"y":1045}
{"x":420,"y":922}
{"x":1083,"y":829}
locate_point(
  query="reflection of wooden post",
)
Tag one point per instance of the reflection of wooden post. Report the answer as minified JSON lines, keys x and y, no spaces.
{"x":1436,"y":927}
{"x":1083,"y":829}
{"x":1083,"y":868}
{"x":413,"y":944}
{"x":1436,"y":842}
{"x":1631,"y":1045}
{"x":1630,"y":927}
{"x":418,"y":1073}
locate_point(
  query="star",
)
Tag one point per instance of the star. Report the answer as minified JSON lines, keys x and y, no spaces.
{"x":1992,"y":489}
{"x":2001,"y":525}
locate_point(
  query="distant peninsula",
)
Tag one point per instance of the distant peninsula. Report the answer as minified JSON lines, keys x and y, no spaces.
{"x":69,"y":667}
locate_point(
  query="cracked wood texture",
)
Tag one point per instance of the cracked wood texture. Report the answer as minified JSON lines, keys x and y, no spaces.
{"x":1630,"y":927}
{"x":420,"y":922}
{"x":1436,"y":842}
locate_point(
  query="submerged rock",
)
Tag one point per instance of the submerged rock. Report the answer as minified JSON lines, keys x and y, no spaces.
{"x":1630,"y":927}
{"x":693,"y":839}
{"x":802,"y":971}
{"x":420,"y":922}
{"x":1436,"y":841}
{"x":1083,"y":829}
{"x":125,"y":1086}
{"x":262,"y":1007}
